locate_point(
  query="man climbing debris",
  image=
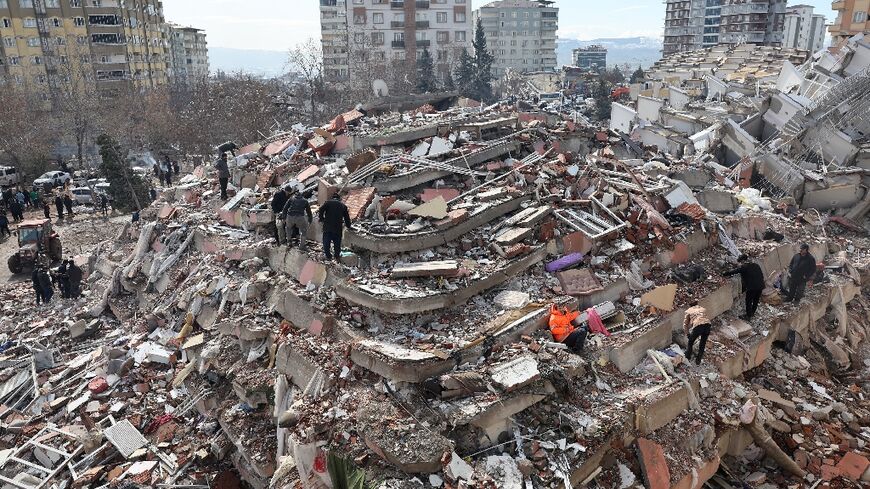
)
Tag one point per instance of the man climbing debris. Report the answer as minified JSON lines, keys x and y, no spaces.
{"x":297,"y":217}
{"x":752,"y":278}
{"x":697,"y":326}
{"x":331,"y":215}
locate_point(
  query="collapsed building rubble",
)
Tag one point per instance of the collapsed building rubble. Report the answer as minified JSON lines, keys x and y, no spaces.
{"x":202,"y":354}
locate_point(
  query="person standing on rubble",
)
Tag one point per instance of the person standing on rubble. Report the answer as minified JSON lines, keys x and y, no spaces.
{"x":61,"y":279}
{"x":104,"y":205}
{"x":58,"y":204}
{"x":223,"y":174}
{"x":331,"y":214}
{"x":752,"y":278}
{"x":801,"y":270}
{"x":42,"y":285}
{"x":297,"y":217}
{"x":74,"y":278}
{"x":68,"y":203}
{"x":696,"y":325}
{"x":4,"y":226}
{"x":277,"y":203}
{"x":46,"y":209}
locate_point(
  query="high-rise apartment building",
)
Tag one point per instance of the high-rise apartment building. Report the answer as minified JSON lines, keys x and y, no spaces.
{"x":188,"y":54}
{"x":696,"y":24}
{"x":803,"y":29}
{"x":752,"y":22}
{"x":853,"y":17}
{"x":109,"y":42}
{"x":366,"y":39}
{"x":691,"y":24}
{"x":591,"y":58}
{"x":521,"y":34}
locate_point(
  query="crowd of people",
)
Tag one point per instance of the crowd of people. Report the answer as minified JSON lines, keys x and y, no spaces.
{"x":67,"y":279}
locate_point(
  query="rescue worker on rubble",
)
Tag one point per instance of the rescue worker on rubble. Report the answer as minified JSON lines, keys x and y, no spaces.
{"x":278,"y":201}
{"x":46,"y":209}
{"x":68,"y":203}
{"x":563,"y":330}
{"x":42,"y":285}
{"x":752,"y":278}
{"x":223,"y":174}
{"x":4,"y":226}
{"x":331,"y":214}
{"x":801,"y":270}
{"x":696,"y":325}
{"x":297,"y":217}
{"x":61,"y":280}
{"x":74,"y":279}
{"x":58,"y":204}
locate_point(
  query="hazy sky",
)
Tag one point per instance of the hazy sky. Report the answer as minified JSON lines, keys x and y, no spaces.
{"x":280,"y":24}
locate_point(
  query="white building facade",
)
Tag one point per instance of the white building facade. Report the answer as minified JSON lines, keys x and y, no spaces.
{"x":521,"y":34}
{"x":188,"y":54}
{"x":803,"y":29}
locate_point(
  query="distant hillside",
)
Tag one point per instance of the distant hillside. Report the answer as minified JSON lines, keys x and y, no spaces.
{"x":632,"y":50}
{"x":258,"y":62}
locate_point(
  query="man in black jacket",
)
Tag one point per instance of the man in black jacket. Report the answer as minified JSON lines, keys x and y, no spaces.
{"x":278,"y":201}
{"x":752,"y":278}
{"x":331,"y":215}
{"x":297,"y":217}
{"x":801,"y":269}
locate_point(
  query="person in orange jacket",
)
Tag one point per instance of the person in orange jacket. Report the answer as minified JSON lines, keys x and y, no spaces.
{"x":563,"y":330}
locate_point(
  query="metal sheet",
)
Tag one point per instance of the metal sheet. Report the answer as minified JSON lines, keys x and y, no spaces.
{"x":125,"y":437}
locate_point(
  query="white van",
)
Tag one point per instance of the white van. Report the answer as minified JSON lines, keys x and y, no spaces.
{"x":8,"y":176}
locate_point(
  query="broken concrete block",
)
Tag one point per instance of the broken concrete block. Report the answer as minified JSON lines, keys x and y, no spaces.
{"x":434,"y":209}
{"x":516,"y":373}
{"x":512,"y":236}
{"x":494,"y":194}
{"x":357,"y":200}
{"x":453,"y":218}
{"x":426,"y":269}
{"x":579,"y":281}
{"x":431,"y":193}
{"x":511,"y":299}
{"x":852,"y":466}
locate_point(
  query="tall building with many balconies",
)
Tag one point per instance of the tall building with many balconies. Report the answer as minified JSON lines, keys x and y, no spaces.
{"x":752,"y":22}
{"x":690,"y":25}
{"x":108,"y":42}
{"x":521,"y":34}
{"x":803,"y":29}
{"x":853,"y":17}
{"x":188,"y":54}
{"x":364,"y":40}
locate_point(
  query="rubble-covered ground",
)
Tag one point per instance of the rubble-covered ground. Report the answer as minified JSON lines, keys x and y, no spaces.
{"x":202,"y":353}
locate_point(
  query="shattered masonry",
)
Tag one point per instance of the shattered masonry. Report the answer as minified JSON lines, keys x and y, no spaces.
{"x":201,"y":353}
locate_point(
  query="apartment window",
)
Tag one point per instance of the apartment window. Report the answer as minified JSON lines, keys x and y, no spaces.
{"x":56,"y":22}
{"x":459,"y":36}
{"x":443,"y":36}
{"x":459,"y":17}
{"x":96,"y":3}
{"x":36,"y":60}
{"x":7,"y":23}
{"x":460,"y":1}
{"x":79,"y":21}
{"x":33,"y":42}
{"x":359,"y":38}
{"x":398,"y":37}
{"x":4,"y":4}
{"x":860,"y":16}
{"x":39,"y":78}
{"x":9,"y":42}
{"x":52,"y":3}
{"x":111,"y":38}
{"x":64,"y":60}
{"x":60,"y":41}
{"x":377,"y":38}
{"x":26,"y":3}
{"x":75,"y":3}
{"x":85,"y":59}
{"x":441,"y":17}
{"x":359,"y":18}
{"x":14,"y":60}
{"x":82,"y":40}
{"x":514,"y":15}
{"x":377,"y":18}
{"x":30,"y":22}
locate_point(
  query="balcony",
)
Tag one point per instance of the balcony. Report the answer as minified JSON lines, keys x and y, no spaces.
{"x":397,"y":24}
{"x":841,"y":5}
{"x":422,"y":4}
{"x":328,"y":3}
{"x":398,"y":44}
{"x":422,"y":24}
{"x":397,"y":5}
{"x":423,"y":43}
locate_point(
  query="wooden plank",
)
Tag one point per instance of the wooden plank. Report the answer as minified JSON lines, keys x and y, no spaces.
{"x":512,"y":236}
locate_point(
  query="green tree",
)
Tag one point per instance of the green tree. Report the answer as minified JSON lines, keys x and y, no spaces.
{"x":449,"y":84}
{"x":464,"y":73}
{"x":638,"y":75}
{"x":426,"y":73}
{"x":128,"y":191}
{"x":483,"y":60}
{"x":602,"y":100}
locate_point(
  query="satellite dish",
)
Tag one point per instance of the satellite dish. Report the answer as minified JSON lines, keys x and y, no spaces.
{"x":380,"y":88}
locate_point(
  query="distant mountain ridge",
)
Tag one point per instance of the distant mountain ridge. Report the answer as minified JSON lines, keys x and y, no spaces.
{"x":254,"y":61}
{"x":620,"y":50}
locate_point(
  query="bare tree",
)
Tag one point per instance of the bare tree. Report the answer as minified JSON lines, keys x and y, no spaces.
{"x":306,"y":59}
{"x":75,"y":98}
{"x":25,"y":135}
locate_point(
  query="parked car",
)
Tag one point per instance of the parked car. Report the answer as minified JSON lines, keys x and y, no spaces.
{"x":103,"y":188}
{"x":83,"y":195}
{"x":52,"y":179}
{"x":8,"y":176}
